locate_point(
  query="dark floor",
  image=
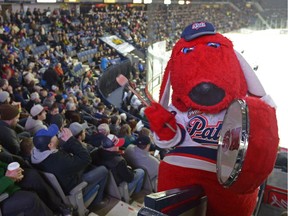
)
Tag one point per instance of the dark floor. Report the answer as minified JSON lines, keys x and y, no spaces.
{"x":111,"y":202}
{"x":267,"y":210}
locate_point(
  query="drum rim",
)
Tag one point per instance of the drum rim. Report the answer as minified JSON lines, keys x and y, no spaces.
{"x":243,"y":146}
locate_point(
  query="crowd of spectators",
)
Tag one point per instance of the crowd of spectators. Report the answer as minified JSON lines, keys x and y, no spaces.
{"x":52,"y":115}
{"x":46,"y":108}
{"x":169,"y":20}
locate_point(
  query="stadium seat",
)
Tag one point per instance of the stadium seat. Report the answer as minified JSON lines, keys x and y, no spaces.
{"x":3,"y":196}
{"x":150,"y":185}
{"x":119,"y":192}
{"x":75,"y":198}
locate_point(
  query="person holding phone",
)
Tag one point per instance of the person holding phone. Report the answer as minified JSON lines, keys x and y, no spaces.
{"x":138,"y":156}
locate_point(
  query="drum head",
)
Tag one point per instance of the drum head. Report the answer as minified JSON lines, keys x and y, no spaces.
{"x":233,"y":143}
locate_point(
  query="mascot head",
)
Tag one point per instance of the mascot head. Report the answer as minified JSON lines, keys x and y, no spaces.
{"x":206,"y":73}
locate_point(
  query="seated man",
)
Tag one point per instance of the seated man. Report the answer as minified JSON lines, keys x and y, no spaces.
{"x":79,"y":132}
{"x":34,"y":99}
{"x":138,"y":156}
{"x":35,"y":122}
{"x":68,"y":164}
{"x":95,"y":139}
{"x":52,"y":111}
{"x":110,"y":157}
{"x":115,"y":124}
{"x":9,"y":138}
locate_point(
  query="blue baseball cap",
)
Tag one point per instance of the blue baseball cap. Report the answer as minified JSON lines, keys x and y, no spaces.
{"x":198,"y":29}
{"x":43,"y":137}
{"x":65,"y":96}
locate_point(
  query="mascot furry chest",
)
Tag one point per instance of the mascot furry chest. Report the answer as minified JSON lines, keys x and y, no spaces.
{"x":206,"y":75}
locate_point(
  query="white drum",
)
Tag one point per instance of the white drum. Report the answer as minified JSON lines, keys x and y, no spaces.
{"x":233,"y":143}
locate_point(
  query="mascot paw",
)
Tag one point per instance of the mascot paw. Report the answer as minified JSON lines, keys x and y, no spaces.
{"x":162,"y":122}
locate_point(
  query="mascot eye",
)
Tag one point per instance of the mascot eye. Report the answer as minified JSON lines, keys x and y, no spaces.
{"x":186,"y":50}
{"x":215,"y":45}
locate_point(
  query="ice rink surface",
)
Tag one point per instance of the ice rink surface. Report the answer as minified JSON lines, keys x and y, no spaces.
{"x":268,"y":49}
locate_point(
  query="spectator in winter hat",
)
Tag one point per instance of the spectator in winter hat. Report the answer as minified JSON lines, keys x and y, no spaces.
{"x":34,"y":99}
{"x":79,"y":132}
{"x":104,"y":129}
{"x":123,"y":117}
{"x":35,"y":122}
{"x":4,"y":97}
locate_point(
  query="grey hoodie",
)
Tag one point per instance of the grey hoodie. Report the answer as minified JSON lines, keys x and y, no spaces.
{"x":33,"y":125}
{"x":38,"y":156}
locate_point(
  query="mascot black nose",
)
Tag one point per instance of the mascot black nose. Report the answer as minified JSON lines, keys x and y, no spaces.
{"x":207,"y":94}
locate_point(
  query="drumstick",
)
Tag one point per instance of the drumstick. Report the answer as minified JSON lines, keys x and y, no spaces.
{"x":123,"y":81}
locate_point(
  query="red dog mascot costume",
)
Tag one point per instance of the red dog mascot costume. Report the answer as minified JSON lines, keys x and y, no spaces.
{"x":207,"y":75}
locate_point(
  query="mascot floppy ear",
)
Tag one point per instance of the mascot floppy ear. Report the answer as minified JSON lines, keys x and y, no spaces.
{"x":165,"y":87}
{"x":254,"y":85}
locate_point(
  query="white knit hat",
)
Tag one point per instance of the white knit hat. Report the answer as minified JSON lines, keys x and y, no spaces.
{"x":3,"y":96}
{"x":36,"y":109}
{"x":34,"y":96}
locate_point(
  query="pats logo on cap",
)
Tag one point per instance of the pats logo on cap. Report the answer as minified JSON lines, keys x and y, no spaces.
{"x":198,"y":29}
{"x":198,"y":25}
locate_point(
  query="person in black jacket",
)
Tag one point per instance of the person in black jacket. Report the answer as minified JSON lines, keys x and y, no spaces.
{"x":51,"y":78}
{"x":68,"y":164}
{"x":8,"y":137}
{"x":110,"y":157}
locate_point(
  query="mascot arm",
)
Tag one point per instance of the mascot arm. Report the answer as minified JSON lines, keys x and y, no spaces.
{"x":262,"y":146}
{"x":161,"y":121}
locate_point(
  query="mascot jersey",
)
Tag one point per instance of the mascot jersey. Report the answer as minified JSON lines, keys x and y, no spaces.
{"x":196,"y":139}
{"x":192,"y":160}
